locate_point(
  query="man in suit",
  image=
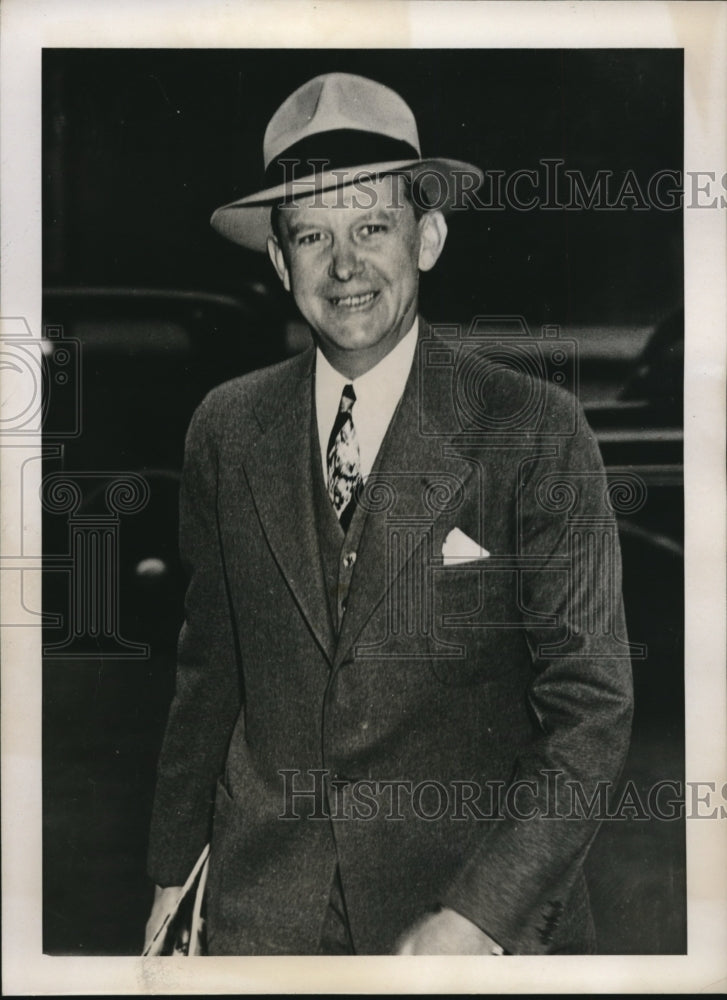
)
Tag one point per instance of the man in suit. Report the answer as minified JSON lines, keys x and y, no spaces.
{"x":403,"y":673}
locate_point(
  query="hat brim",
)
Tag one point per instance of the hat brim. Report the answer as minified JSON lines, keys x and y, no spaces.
{"x":246,"y":221}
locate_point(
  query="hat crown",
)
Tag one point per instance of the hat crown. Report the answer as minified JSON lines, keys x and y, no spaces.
{"x":339,"y":101}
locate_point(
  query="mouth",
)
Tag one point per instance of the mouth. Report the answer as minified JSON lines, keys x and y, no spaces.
{"x":353,"y":301}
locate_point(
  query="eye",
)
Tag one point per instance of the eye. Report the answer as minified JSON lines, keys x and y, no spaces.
{"x":309,"y":238}
{"x":374,"y":228}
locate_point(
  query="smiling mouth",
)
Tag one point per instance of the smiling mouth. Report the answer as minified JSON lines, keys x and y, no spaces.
{"x":353,"y":301}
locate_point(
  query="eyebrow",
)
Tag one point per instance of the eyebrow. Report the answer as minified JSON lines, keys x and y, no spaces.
{"x":369,"y":216}
{"x":295,"y":228}
{"x":376,"y":213}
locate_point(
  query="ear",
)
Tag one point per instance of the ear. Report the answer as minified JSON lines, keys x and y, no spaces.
{"x":275,"y":253}
{"x":432,"y":234}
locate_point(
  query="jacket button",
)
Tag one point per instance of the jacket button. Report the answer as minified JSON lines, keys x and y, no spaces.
{"x":349,"y":559}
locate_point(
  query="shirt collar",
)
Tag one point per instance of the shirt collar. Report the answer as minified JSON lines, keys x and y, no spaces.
{"x":387,"y":378}
{"x":378,"y":392}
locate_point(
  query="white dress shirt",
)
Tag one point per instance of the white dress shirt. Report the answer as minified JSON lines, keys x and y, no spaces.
{"x":377,"y":395}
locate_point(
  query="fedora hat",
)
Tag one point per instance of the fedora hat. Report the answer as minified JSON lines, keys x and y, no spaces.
{"x":335,"y":130}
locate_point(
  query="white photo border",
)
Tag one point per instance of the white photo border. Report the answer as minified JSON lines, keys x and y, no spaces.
{"x":700,"y":29}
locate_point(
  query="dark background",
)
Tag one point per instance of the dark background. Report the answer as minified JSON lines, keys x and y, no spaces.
{"x":139,"y":147}
{"x":142,"y":145}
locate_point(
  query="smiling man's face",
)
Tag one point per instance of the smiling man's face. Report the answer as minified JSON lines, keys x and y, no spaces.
{"x":352,"y":263}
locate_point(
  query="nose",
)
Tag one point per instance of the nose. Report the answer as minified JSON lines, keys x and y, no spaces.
{"x":344,"y":261}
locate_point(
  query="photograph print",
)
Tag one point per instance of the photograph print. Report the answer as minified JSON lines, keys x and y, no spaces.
{"x":363,"y":502}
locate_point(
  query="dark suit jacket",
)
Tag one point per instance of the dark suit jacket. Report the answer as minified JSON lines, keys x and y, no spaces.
{"x":455,"y":680}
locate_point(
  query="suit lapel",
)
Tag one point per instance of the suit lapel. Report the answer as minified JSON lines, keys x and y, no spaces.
{"x":279,"y":471}
{"x":411,"y":466}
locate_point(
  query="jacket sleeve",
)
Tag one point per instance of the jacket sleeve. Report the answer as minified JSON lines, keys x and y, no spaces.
{"x":207,"y":696}
{"x":517,"y":884}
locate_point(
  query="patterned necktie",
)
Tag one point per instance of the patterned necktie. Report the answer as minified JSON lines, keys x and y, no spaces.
{"x":344,"y":463}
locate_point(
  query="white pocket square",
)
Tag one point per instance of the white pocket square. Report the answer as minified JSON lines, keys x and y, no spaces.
{"x":460,"y":548}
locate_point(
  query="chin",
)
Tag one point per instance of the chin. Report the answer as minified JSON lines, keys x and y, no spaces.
{"x":365,"y":343}
{"x":355,"y":338}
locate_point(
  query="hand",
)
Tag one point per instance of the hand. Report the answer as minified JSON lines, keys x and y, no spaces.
{"x":164,"y":899}
{"x":445,"y":933}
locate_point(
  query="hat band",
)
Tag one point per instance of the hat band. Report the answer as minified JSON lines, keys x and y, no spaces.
{"x":335,"y":149}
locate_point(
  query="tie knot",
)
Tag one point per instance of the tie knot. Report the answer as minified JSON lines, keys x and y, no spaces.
{"x":348,"y":398}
